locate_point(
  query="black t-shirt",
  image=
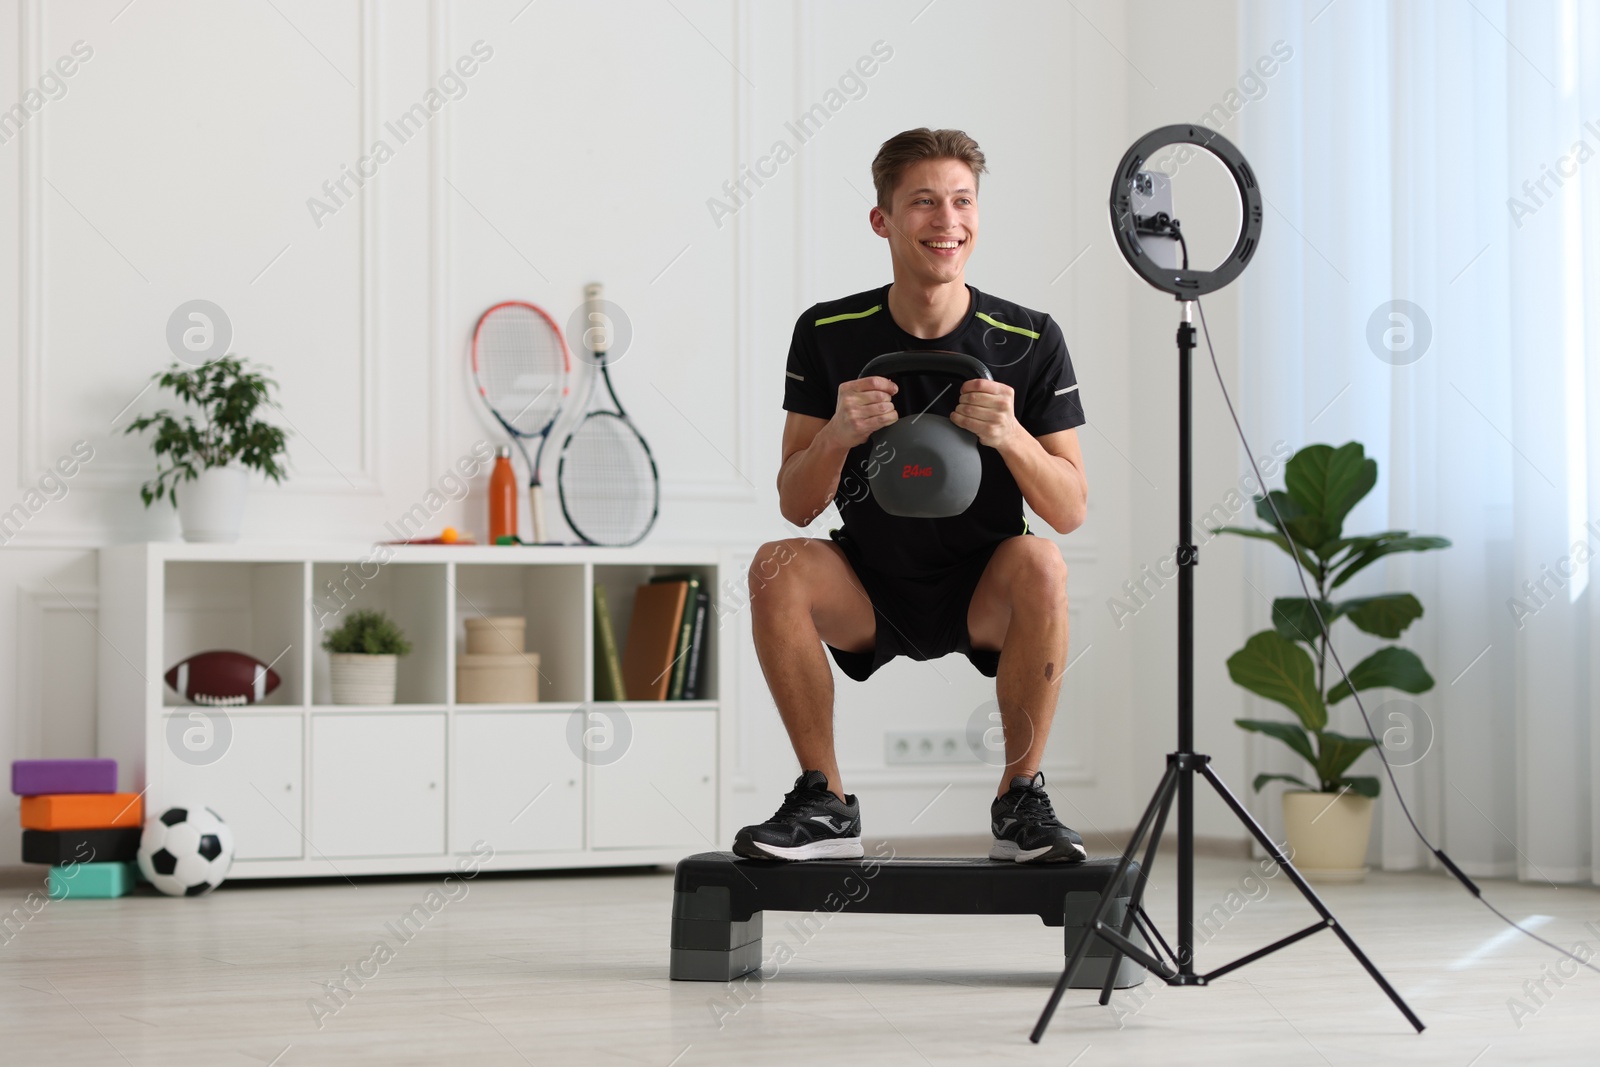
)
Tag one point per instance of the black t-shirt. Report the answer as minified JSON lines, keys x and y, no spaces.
{"x":1022,"y":348}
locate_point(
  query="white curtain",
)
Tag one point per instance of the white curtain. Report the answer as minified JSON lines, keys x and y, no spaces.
{"x":1448,"y":154}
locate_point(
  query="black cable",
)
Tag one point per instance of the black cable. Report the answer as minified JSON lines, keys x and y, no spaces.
{"x":1300,"y":572}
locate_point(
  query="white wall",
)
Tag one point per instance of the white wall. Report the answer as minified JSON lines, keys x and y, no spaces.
{"x":179,"y":163}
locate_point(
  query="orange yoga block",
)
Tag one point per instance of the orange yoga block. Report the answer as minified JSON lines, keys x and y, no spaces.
{"x":82,"y":811}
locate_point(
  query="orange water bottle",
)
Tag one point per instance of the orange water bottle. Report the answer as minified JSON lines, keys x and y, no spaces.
{"x":502,"y":497}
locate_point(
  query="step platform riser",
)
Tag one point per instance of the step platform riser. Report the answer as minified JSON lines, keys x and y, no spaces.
{"x":719,"y":900}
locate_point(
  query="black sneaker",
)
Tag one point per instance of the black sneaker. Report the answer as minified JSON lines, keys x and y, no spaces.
{"x":1026,"y":828}
{"x":811,"y":824}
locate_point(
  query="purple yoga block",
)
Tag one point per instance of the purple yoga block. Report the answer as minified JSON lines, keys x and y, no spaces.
{"x":33,"y":777}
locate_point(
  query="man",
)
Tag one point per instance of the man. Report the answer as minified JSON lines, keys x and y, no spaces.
{"x":885,"y":586}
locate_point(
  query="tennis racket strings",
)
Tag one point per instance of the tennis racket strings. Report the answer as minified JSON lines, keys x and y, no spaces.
{"x":606,"y":480}
{"x":522,"y":367}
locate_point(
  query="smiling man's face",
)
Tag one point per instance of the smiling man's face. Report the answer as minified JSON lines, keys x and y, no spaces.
{"x":933,"y":222}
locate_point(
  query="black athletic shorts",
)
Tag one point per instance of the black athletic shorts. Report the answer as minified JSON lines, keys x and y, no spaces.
{"x":919,"y":618}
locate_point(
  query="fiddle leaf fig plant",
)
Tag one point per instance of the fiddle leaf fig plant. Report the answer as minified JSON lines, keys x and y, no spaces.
{"x":228,"y":393}
{"x":1289,"y":663}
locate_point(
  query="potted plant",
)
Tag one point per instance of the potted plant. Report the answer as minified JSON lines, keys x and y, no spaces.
{"x":1328,"y":819}
{"x":212,"y":457}
{"x":363,"y":654}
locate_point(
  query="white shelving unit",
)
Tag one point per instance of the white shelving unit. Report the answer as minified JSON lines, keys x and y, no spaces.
{"x":313,"y":788}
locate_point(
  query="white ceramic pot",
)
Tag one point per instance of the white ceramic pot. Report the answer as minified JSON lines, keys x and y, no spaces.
{"x":362,"y":679}
{"x":1328,"y":834}
{"x":211,"y":508}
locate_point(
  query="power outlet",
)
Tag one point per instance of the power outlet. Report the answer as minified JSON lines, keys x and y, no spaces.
{"x":926,"y":746}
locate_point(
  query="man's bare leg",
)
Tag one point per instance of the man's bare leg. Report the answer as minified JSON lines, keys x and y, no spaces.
{"x":803,"y":594}
{"x":1020,"y":608}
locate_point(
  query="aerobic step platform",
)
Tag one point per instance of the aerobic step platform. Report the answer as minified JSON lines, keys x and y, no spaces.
{"x":718,"y":899}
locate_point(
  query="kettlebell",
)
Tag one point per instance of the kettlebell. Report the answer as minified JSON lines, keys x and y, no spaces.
{"x":927,"y":467}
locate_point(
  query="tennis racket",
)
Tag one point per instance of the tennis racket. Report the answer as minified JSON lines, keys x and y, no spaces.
{"x":607,"y":478}
{"x":521,"y":365}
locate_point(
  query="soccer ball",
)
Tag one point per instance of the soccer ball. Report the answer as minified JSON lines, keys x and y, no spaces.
{"x":186,"y":851}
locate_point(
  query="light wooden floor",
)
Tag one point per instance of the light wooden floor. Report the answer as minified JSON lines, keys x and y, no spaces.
{"x":571,"y":969}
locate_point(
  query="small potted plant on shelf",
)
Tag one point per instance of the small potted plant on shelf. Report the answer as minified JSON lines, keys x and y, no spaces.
{"x":363,"y":654}
{"x":211,"y":458}
{"x":1328,"y":819}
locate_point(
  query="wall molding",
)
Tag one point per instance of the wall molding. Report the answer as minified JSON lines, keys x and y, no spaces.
{"x":30,"y":305}
{"x":33,"y":604}
{"x":736,"y":488}
{"x":744,"y":269}
{"x":439,"y":234}
{"x":369,"y":478}
{"x":32,"y":418}
{"x":446,"y":368}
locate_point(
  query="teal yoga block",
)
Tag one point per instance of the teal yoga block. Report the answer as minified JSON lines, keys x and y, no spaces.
{"x":92,"y":881}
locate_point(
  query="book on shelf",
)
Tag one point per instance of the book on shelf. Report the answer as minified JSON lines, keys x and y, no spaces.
{"x":680,"y":661}
{"x":608,"y":683}
{"x":694,"y":679}
{"x":654,"y":633}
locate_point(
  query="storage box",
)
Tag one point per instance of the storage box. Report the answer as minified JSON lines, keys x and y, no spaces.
{"x":496,"y":635}
{"x":497,"y":679}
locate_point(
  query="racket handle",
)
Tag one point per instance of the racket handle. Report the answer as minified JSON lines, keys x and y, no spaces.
{"x":597,"y":332}
{"x":536,"y":508}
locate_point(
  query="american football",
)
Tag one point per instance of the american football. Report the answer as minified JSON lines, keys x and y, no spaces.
{"x":222,"y":679}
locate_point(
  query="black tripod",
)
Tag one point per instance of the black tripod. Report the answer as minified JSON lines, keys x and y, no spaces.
{"x":1178,"y":781}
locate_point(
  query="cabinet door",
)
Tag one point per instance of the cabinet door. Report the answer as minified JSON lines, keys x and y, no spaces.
{"x":662,"y":792}
{"x":515,"y":783}
{"x":377,"y":784}
{"x":255,"y":785}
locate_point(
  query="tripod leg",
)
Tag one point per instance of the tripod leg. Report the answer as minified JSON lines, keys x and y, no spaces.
{"x":1152,"y":934}
{"x":1158,"y":802}
{"x":1136,"y":898}
{"x":1306,"y":891}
